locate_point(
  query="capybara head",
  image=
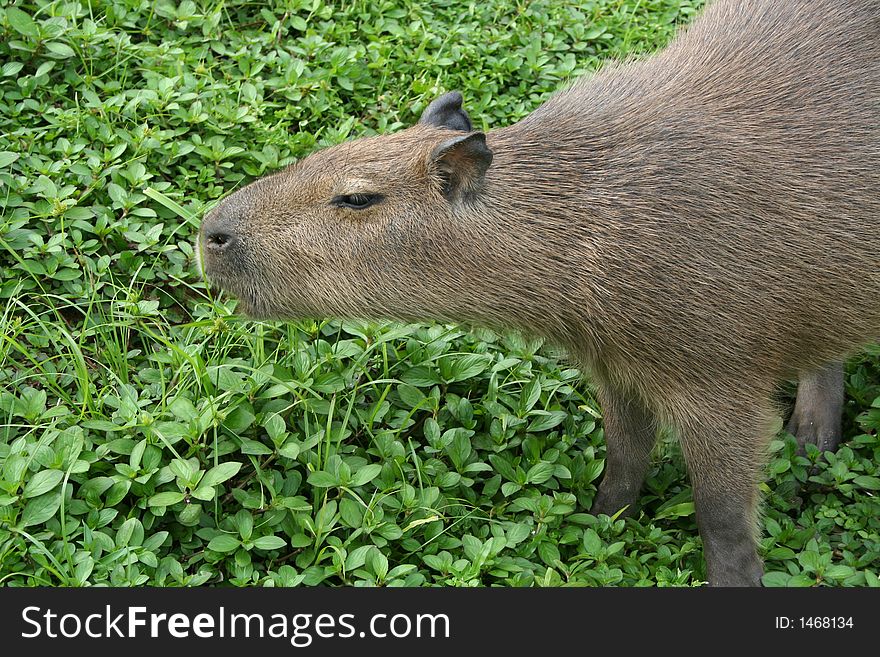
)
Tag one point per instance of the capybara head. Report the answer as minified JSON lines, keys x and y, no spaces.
{"x":354,"y":230}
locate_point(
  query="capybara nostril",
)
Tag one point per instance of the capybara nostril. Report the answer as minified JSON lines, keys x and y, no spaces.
{"x":219,"y":240}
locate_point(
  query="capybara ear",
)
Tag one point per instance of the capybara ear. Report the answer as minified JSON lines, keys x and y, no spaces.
{"x":461,"y":163}
{"x":446,"y":112}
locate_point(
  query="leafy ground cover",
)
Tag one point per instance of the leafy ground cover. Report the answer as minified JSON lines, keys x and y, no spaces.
{"x":149,"y":436}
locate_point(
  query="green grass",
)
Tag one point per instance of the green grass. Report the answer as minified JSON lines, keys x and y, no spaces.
{"x":149,"y":436}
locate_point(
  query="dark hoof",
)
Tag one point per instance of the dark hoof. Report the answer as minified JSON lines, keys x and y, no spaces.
{"x":815,"y":418}
{"x":820,"y":430}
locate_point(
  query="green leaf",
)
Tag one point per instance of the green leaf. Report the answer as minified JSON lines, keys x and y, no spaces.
{"x":204,"y":493}
{"x":83,"y":569}
{"x":503,"y":467}
{"x":593,"y":469}
{"x":775,"y":579}
{"x":300,"y":541}
{"x":60,"y":50}
{"x":22,"y":23}
{"x":421,"y":376}
{"x":549,"y":553}
{"x":810,"y":560}
{"x":803,"y":580}
{"x":591,"y":542}
{"x":294,"y":503}
{"x":365,"y":474}
{"x":508,"y":488}
{"x":676,"y":511}
{"x":460,"y":448}
{"x":239,"y":420}
{"x":220,"y":473}
{"x":155,"y":541}
{"x":270,"y":543}
{"x":467,"y":366}
{"x":7,"y":158}
{"x":410,"y":395}
{"x":41,"y":482}
{"x":540,"y":472}
{"x":378,"y":564}
{"x":32,"y":402}
{"x":44,"y":68}
{"x":165,"y":499}
{"x":780,"y":553}
{"x":101,"y":425}
{"x":838,"y":571}
{"x":224,"y":543}
{"x":357,"y":557}
{"x":11,"y":68}
{"x":351,"y":512}
{"x":561,"y":472}
{"x":322,"y":479}
{"x":529,"y":396}
{"x":516,"y":534}
{"x":441,"y":562}
{"x":125,"y":531}
{"x":38,"y":510}
{"x":867,"y":482}
{"x":254,"y":447}
{"x":326,"y":517}
{"x":546,"y":420}
{"x":431,"y":429}
{"x":275,"y":427}
{"x":183,"y":469}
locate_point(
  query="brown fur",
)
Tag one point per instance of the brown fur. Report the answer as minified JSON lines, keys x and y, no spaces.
{"x":694,"y":228}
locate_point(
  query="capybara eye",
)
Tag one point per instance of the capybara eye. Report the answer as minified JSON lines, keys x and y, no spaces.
{"x":356,"y":201}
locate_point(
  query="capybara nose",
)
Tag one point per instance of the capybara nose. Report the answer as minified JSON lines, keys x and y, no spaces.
{"x":219,"y":239}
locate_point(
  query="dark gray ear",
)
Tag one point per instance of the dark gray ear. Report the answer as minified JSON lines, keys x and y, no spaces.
{"x":461,"y":163}
{"x":446,"y":112}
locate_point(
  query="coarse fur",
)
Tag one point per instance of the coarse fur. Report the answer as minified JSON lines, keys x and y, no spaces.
{"x":694,"y":228}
